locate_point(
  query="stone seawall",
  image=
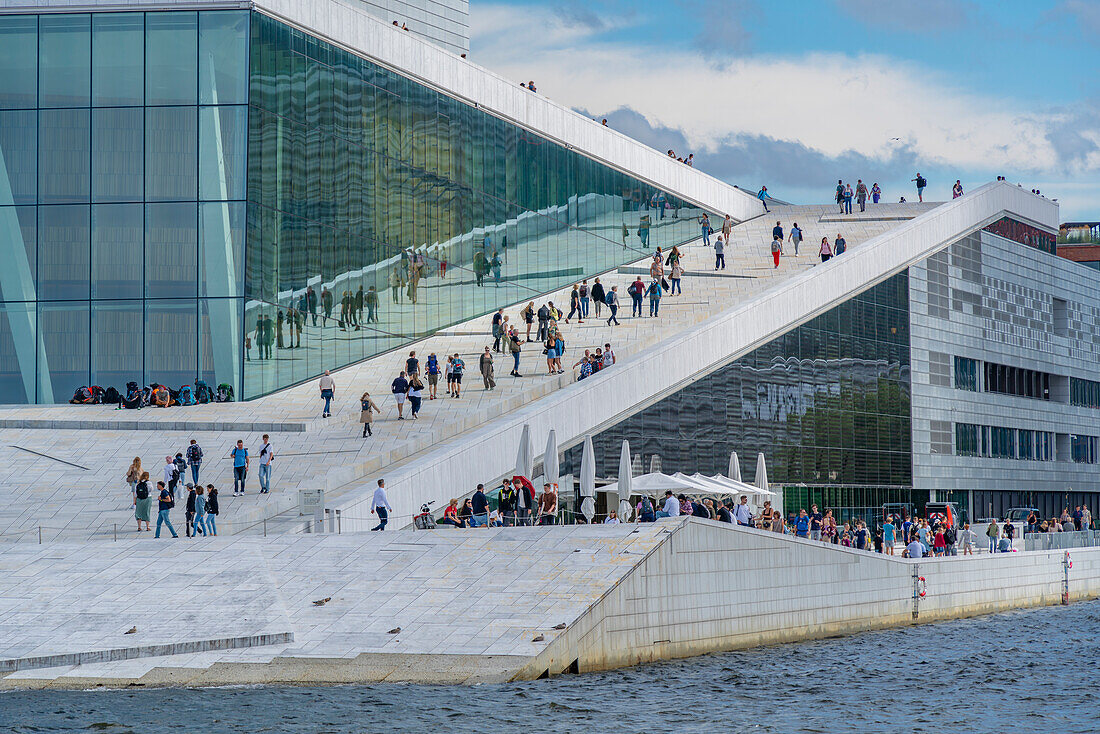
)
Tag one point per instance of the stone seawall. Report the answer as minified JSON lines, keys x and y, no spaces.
{"x":476,"y":606}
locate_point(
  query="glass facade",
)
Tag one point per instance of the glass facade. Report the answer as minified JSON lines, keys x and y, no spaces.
{"x":381,"y":210}
{"x":121,"y":200}
{"x":214,"y":194}
{"x":828,"y":404}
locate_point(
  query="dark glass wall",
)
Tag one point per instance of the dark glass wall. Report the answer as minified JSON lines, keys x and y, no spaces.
{"x":121,"y":199}
{"x":365,"y":185}
{"x":828,"y":403}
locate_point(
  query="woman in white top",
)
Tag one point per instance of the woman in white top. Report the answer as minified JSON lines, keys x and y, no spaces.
{"x":612,"y":518}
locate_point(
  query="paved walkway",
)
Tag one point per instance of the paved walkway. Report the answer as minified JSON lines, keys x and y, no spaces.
{"x":62,"y":467}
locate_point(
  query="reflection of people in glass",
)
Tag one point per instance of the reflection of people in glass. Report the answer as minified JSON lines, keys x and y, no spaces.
{"x":395,"y":285}
{"x":269,"y":336}
{"x":300,"y":321}
{"x":371,"y":300}
{"x":343,"y":312}
{"x":626,"y":233}
{"x":279,"y":318}
{"x":259,"y":337}
{"x":481,"y":267}
{"x":414,"y":280}
{"x":292,"y":323}
{"x":311,"y":303}
{"x":359,"y":304}
{"x":496,"y":268}
{"x":326,"y":304}
{"x":643,"y":230}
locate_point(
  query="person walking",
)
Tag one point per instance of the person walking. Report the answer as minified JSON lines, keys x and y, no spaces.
{"x":861,"y":194}
{"x":777,"y":250}
{"x":528,"y":315}
{"x":200,"y":512}
{"x":674,"y":276}
{"x":400,"y":389}
{"x":599,"y":297}
{"x":133,"y":474}
{"x":613,"y":305}
{"x":826,"y":250}
{"x":171,"y":475}
{"x":637,"y":293}
{"x":848,"y":198}
{"x":458,"y":367}
{"x":921,"y":183}
{"x":525,"y":502}
{"x":498,"y":328}
{"x":327,"y":386}
{"x":367,"y":409}
{"x":515,"y":347}
{"x":544,"y":320}
{"x":326,"y":305}
{"x":727,"y":228}
{"x":212,"y":509}
{"x":267,"y":455}
{"x":412,"y":366}
{"x":371,"y":301}
{"x":704,"y":226}
{"x":143,"y":501}
{"x":506,"y":503}
{"x":763,"y":195}
{"x":720,"y":252}
{"x":795,"y":237}
{"x":431,"y":367}
{"x":654,"y":293}
{"x":486,"y":367}
{"x":583,"y":292}
{"x":380,"y":505}
{"x":575,"y":304}
{"x":840,"y":245}
{"x":876,"y":193}
{"x":165,"y":503}
{"x":240,"y":467}
{"x":777,"y":232}
{"x":415,"y":399}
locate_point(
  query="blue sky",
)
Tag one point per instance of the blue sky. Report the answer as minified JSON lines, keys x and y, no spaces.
{"x":797,"y":94}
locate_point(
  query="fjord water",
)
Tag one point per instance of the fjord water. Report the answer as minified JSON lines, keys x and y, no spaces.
{"x":1024,"y":671}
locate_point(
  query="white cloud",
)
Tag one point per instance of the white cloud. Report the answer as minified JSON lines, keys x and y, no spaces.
{"x":834,"y":104}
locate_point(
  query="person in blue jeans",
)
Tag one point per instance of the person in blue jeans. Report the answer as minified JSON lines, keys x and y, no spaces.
{"x":240,"y":467}
{"x":802,"y":525}
{"x":164,"y":507}
{"x":380,"y":504}
{"x":194,"y":460}
{"x":704,"y":225}
{"x":637,"y":293}
{"x":328,"y":392}
{"x":654,"y":292}
{"x":479,"y":504}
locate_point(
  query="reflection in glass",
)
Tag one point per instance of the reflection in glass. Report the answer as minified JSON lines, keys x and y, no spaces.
{"x":18,"y":252}
{"x":223,"y":136}
{"x":171,"y":340}
{"x":18,"y":61}
{"x":64,"y":62}
{"x":171,"y":250}
{"x":116,"y":343}
{"x":117,"y":154}
{"x":118,"y":42}
{"x":18,"y":348}
{"x":171,"y":153}
{"x":64,"y":152}
{"x":223,"y":57}
{"x":18,"y":157}
{"x":64,"y":331}
{"x":117,"y":250}
{"x":64,"y":252}
{"x":171,"y":58}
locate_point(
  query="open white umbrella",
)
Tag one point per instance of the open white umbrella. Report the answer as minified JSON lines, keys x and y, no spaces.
{"x":525,"y":459}
{"x":735,"y":467}
{"x":550,"y":458}
{"x":625,"y":483}
{"x":588,"y":480}
{"x":655,"y":483}
{"x":761,"y":472}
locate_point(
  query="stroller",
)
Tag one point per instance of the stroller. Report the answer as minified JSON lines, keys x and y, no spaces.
{"x":424,"y":520}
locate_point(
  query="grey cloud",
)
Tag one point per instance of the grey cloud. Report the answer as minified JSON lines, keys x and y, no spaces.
{"x":750,"y":159}
{"x":1084,"y":15}
{"x":724,"y":34}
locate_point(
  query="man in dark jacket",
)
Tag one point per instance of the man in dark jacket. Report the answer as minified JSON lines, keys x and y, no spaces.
{"x":544,"y":321}
{"x":507,"y":503}
{"x":479,"y":504}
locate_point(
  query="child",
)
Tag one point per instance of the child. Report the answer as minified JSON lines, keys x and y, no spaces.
{"x":200,"y":511}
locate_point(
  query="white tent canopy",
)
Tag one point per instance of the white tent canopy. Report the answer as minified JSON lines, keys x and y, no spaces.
{"x":656,"y":482}
{"x":737,"y":487}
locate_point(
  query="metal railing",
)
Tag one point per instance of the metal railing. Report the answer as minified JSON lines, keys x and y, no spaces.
{"x":1061,"y":541}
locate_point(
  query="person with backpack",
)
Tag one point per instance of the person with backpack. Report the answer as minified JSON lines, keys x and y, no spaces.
{"x":240,"y":467}
{"x":575,"y":305}
{"x":458,"y":367}
{"x":194,"y":460}
{"x":544,"y":322}
{"x":645,"y":511}
{"x":133,"y":474}
{"x":498,"y":328}
{"x":189,"y":511}
{"x":372,"y":305}
{"x":795,"y":237}
{"x":267,"y":455}
{"x":431,"y":367}
{"x":143,"y":501}
{"x":515,"y":347}
{"x":211,"y":509}
{"x":612,"y":300}
{"x":777,"y":250}
{"x":506,"y":503}
{"x":839,"y":245}
{"x":636,"y":291}
{"x":171,"y":475}
{"x":181,"y":468}
{"x":861,"y":194}
{"x":654,"y":293}
{"x":826,"y":251}
{"x":921,"y":183}
{"x":165,"y":503}
{"x":840,"y":195}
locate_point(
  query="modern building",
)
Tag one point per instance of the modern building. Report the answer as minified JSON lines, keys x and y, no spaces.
{"x":254,"y":196}
{"x":253,"y":192}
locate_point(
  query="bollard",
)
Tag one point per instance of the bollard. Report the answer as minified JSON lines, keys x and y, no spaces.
{"x":40,"y":535}
{"x":337,"y":522}
{"x":265,"y":527}
{"x":116,"y":532}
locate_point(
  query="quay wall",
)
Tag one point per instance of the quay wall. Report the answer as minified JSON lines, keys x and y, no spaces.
{"x":713,"y":587}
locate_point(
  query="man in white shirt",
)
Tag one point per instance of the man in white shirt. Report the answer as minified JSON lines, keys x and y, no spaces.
{"x":267,"y":453}
{"x":742,"y":514}
{"x":381,"y":505}
{"x":328,"y":392}
{"x":171,"y":475}
{"x":671,"y":507}
{"x":915,"y":549}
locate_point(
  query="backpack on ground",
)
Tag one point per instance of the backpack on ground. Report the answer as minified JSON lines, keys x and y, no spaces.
{"x":186,"y":396}
{"x":111,"y":396}
{"x":82,"y":396}
{"x":97,"y":394}
{"x":203,"y":393}
{"x":224,"y":394}
{"x":132,"y":400}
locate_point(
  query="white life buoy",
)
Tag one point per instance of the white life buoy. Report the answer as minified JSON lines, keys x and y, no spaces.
{"x":922,"y":587}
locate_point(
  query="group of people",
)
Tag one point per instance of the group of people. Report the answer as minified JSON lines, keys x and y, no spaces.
{"x":201,"y":502}
{"x":1079,"y":518}
{"x":517,"y":505}
{"x":827,"y":250}
{"x":845,"y":193}
{"x":690,"y":160}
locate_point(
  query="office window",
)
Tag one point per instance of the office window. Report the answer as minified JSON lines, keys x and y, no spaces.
{"x":966,"y":373}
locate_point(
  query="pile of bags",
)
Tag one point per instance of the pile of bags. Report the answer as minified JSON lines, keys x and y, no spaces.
{"x":136,"y":397}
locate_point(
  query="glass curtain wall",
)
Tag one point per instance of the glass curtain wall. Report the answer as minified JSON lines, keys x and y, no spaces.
{"x":380,"y":210}
{"x":828,"y":404}
{"x":122,"y":188}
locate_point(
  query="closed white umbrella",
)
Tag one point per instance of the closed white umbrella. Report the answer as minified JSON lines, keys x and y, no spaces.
{"x":550,"y":458}
{"x":735,"y":467}
{"x":625,"y":488}
{"x":761,"y":472}
{"x":525,"y":458}
{"x":588,"y":480}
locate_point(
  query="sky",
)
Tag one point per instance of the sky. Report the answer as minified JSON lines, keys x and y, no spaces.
{"x":796,"y":94}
